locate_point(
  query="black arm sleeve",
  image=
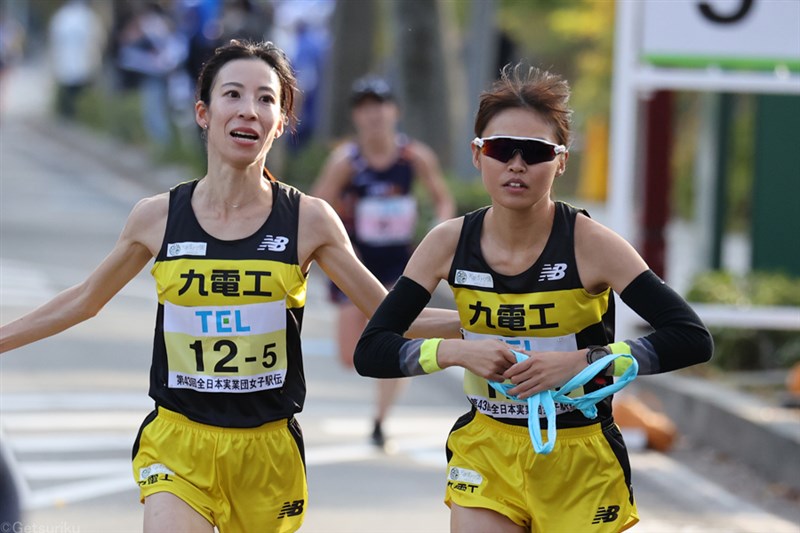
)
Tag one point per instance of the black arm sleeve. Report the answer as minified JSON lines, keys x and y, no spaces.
{"x":379,"y":352}
{"x":680,"y":338}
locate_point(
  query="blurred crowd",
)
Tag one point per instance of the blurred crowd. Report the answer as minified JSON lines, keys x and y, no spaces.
{"x":157,"y":47}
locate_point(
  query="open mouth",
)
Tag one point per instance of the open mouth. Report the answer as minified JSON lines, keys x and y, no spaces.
{"x":515,"y":185}
{"x":244,"y":135}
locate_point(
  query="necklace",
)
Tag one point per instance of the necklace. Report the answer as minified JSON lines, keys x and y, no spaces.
{"x":242,"y":204}
{"x":239,"y":205}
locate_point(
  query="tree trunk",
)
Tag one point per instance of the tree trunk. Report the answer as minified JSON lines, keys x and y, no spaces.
{"x":351,"y":56}
{"x":481,"y":50}
{"x":422,"y":75}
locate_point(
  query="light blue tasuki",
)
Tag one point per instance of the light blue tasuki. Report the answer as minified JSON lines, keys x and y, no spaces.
{"x":587,"y":404}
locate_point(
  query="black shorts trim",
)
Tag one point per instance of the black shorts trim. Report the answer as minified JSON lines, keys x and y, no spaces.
{"x":148,"y":419}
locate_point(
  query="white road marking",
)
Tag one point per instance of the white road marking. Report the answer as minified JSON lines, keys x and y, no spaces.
{"x":76,"y":469}
{"x":23,"y":284}
{"x":73,"y":442}
{"x":70,"y":401}
{"x":52,"y":422}
{"x":344,"y":453}
{"x":55,"y":440}
{"x":60,"y":495}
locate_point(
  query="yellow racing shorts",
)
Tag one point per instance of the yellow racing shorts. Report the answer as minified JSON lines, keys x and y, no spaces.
{"x":582,"y":485}
{"x":239,"y":479}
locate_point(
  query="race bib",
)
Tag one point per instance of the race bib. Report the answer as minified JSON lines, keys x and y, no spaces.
{"x":488,"y":401}
{"x":235,"y":349}
{"x":386,"y":220}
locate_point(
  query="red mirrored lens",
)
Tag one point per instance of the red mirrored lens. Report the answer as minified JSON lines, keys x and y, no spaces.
{"x":532,"y":151}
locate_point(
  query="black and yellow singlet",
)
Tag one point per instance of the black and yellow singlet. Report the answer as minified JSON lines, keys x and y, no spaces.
{"x":544,"y":308}
{"x":227,"y":338}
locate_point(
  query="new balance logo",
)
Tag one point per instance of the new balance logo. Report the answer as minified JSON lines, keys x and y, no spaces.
{"x":553,"y":272}
{"x":291,"y":508}
{"x":273,"y":244}
{"x":606,"y":514}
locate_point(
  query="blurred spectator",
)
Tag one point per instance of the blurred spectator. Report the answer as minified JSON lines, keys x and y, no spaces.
{"x":10,"y":508}
{"x":308,"y":60}
{"x":302,"y":29}
{"x":243,"y":19}
{"x":200,"y":23}
{"x":12,"y":39}
{"x":208,"y":24}
{"x":76,"y":40}
{"x":152,"y":51}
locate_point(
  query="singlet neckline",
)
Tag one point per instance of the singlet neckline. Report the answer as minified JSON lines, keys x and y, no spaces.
{"x":547,"y":246}
{"x":275,"y":189}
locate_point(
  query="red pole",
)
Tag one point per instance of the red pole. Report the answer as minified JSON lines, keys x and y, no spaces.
{"x":658,"y":180}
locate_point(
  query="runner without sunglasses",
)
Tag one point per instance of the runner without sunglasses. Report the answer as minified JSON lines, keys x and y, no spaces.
{"x":535,"y":276}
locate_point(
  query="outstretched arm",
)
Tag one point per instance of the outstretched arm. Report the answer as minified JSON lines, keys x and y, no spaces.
{"x":83,"y":301}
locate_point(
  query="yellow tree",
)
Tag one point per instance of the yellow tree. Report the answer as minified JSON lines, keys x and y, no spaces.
{"x":575,"y":39}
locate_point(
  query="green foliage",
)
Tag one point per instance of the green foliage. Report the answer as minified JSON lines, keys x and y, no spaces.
{"x":683,"y":166}
{"x":469,"y":195}
{"x":300,"y":169}
{"x":738,"y":166}
{"x":574,"y":38}
{"x":757,"y":288}
{"x":750,"y":349}
{"x":118,"y":114}
{"x":741,"y":162}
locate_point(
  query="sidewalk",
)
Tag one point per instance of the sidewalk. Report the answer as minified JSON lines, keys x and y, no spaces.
{"x":746,"y":428}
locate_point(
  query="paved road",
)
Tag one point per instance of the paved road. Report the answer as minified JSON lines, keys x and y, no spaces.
{"x":70,"y":405}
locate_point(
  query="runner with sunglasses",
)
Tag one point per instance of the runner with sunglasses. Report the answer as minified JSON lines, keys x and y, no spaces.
{"x":537,"y":276}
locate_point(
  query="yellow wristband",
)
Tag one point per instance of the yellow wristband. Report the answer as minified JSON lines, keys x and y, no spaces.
{"x":427,"y":355}
{"x":620,"y":364}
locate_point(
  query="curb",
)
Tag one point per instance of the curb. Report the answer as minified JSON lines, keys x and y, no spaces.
{"x":742,"y":426}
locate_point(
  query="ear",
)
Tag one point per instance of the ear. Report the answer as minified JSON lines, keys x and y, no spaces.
{"x":562,"y":163}
{"x":476,"y":156}
{"x":201,"y":114}
{"x":281,"y":126}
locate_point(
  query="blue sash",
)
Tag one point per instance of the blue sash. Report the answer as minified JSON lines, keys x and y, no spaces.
{"x":586,"y":403}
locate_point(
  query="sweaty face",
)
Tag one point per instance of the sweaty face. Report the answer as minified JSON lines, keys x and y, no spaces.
{"x":244,"y":115}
